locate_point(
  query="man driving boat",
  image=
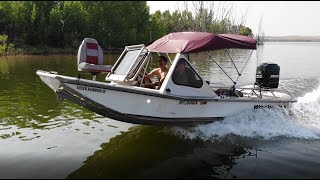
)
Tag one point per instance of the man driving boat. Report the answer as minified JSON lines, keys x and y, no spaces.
{"x":160,"y":72}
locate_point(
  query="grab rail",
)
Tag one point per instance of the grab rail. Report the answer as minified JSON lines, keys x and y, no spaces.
{"x":258,"y":94}
{"x":267,"y":90}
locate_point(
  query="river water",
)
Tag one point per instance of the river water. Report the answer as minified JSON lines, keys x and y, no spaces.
{"x":42,"y":137}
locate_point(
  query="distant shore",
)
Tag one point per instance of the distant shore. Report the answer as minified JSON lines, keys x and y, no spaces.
{"x":53,"y":51}
{"x":292,"y":38}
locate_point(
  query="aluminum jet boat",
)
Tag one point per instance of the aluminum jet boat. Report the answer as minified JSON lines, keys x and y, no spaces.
{"x":122,"y":94}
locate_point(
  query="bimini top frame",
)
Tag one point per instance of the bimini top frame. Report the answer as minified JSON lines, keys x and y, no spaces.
{"x":192,"y":42}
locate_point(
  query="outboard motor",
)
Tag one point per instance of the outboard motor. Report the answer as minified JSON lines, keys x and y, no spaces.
{"x":267,"y":75}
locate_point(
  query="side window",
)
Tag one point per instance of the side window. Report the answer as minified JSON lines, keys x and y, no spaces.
{"x":185,"y":75}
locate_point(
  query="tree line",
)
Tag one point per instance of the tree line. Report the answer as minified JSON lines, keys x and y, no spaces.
{"x":26,"y":26}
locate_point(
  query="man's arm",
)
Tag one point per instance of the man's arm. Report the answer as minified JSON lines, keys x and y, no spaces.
{"x":151,"y":74}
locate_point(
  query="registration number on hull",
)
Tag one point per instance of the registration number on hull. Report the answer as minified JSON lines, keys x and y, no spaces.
{"x":265,"y":106}
{"x":190,"y":102}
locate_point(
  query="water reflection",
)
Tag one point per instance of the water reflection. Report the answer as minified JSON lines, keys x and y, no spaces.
{"x":24,"y":97}
{"x":4,"y":69}
{"x":155,"y":152}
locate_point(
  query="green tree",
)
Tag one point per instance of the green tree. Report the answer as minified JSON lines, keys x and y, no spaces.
{"x":5,"y":47}
{"x":55,"y":28}
{"x":246,"y":31}
{"x":22,"y":17}
{"x":73,"y":22}
{"x":6,"y":20}
{"x":157,"y":26}
{"x":41,"y":20}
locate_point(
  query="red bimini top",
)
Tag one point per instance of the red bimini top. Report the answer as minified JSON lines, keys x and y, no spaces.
{"x":192,"y":42}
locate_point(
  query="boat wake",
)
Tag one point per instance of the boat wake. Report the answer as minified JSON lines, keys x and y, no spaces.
{"x":301,"y":120}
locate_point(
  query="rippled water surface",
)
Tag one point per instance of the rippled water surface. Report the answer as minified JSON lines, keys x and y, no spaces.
{"x":43,"y":137}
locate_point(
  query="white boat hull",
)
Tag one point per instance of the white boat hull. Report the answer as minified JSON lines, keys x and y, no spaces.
{"x":143,"y":106}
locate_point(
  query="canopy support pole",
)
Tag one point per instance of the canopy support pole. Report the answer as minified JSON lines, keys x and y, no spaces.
{"x":220,"y":67}
{"x":245,"y":64}
{"x":227,"y":50}
{"x":169,"y":58}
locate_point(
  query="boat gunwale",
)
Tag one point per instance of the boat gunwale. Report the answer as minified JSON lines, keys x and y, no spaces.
{"x":149,"y":92}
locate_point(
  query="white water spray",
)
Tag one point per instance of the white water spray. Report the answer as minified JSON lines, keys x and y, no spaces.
{"x":301,"y":120}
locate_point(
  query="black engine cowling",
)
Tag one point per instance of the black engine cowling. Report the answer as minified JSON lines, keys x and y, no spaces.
{"x":267,"y":75}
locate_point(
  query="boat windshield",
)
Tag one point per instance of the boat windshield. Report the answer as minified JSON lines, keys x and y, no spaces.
{"x":126,"y":62}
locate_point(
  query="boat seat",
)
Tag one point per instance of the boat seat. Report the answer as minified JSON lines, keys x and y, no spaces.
{"x":90,"y":58}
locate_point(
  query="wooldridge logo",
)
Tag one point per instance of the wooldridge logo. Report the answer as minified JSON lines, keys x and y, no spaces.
{"x":266,"y":106}
{"x":261,"y":106}
{"x":85,"y":88}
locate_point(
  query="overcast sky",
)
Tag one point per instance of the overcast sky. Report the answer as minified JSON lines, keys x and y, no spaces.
{"x":279,"y":18}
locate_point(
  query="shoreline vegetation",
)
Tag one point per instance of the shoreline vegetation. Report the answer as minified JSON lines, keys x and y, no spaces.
{"x":29,"y":50}
{"x":58,"y":27}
